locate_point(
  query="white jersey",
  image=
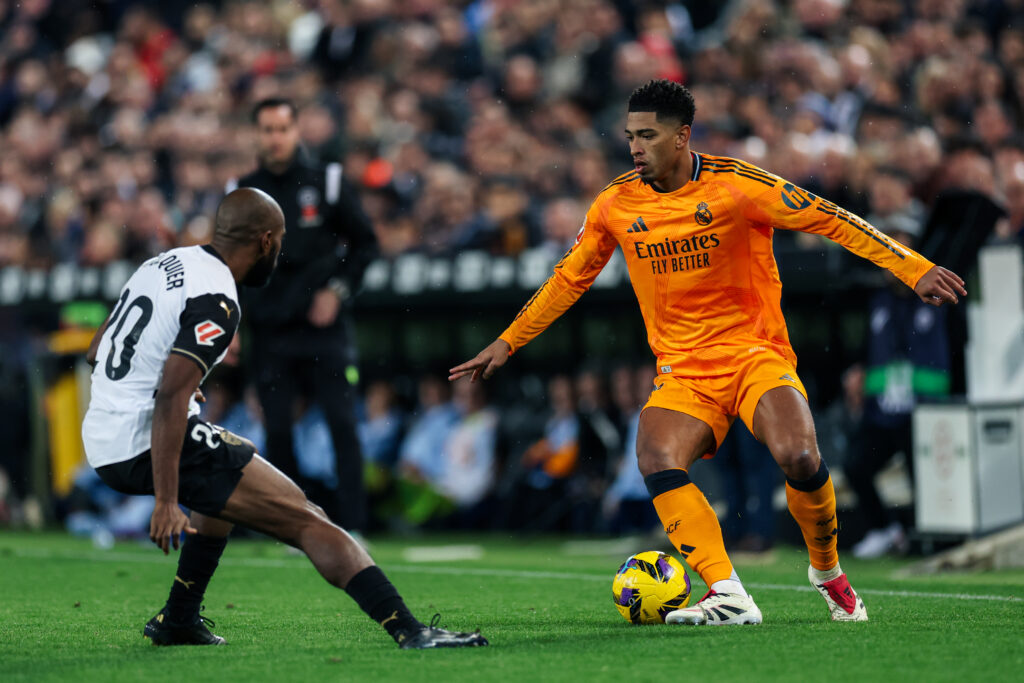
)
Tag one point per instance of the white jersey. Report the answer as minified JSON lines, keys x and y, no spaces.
{"x":183,"y":301}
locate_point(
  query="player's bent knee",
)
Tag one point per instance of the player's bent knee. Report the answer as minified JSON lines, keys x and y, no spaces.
{"x":797,"y":461}
{"x":653,"y":459}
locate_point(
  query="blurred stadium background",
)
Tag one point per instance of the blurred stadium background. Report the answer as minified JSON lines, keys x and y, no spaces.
{"x":477,"y":134}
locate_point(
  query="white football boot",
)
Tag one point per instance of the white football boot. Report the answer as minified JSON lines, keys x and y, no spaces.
{"x":843,"y":602}
{"x":717,"y":609}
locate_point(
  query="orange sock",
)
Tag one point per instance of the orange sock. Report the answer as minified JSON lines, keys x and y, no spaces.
{"x":690,"y":523}
{"x":812,"y":502}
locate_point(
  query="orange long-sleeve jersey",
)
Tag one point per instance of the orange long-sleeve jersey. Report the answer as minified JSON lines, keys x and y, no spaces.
{"x":701,"y":263}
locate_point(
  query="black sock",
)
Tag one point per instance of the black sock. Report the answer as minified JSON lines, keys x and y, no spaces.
{"x":812,"y":483}
{"x":196,"y":564}
{"x":376,"y":596}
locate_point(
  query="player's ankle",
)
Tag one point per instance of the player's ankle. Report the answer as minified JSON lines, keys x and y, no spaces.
{"x":181,"y":615}
{"x":731,"y":585}
{"x":823,"y":575}
{"x":378,"y":597}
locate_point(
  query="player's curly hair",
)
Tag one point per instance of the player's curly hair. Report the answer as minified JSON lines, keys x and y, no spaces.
{"x":667,"y":99}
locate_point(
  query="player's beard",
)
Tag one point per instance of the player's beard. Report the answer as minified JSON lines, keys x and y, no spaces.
{"x":259,"y":274}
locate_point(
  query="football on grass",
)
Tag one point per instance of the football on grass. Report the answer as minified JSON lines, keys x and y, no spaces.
{"x":648,"y":586}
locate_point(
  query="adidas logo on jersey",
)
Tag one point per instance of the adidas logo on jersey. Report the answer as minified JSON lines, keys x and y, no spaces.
{"x":638,"y":225}
{"x":207,"y":331}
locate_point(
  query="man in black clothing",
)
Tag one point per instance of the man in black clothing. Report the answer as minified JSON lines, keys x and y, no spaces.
{"x":302,"y":343}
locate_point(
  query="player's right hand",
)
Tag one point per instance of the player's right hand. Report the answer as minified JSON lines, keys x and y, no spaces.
{"x":485,"y":363}
{"x":166,"y":525}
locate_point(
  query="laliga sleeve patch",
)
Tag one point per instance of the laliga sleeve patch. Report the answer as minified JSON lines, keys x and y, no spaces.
{"x":207,"y":331}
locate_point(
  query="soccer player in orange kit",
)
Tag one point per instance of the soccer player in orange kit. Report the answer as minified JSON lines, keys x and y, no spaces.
{"x":696,"y":231}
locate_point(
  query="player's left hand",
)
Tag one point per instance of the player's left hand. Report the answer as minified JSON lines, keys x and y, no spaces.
{"x":167,"y":524}
{"x":199,"y":396}
{"x":486,"y":362}
{"x":324,"y":308}
{"x":940,"y":286}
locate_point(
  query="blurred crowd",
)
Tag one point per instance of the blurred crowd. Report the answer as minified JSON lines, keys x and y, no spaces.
{"x":489,"y":124}
{"x":560,"y":458}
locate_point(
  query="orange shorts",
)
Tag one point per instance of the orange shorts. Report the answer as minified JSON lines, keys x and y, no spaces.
{"x":718,"y":400}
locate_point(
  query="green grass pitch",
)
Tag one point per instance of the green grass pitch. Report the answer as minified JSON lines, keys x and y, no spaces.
{"x":69,"y":612}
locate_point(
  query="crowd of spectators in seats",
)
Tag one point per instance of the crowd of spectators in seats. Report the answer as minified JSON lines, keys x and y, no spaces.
{"x":488,"y":124}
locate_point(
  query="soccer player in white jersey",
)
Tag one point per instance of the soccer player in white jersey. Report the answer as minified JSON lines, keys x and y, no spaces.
{"x":172,"y":323}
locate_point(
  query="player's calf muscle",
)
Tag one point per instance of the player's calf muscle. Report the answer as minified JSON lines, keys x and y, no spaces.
{"x":286,"y":522}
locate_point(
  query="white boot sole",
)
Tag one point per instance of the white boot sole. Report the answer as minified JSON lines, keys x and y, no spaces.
{"x":694,"y":618}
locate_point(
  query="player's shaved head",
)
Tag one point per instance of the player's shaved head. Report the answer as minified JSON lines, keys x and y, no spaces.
{"x":244,"y":215}
{"x":248,"y":233}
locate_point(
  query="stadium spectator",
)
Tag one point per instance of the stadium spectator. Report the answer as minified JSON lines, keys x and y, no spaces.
{"x":561,"y":222}
{"x":455,"y":480}
{"x":541,"y":500}
{"x":890,"y":196}
{"x":381,"y":426}
{"x":471,"y":458}
{"x":431,"y":424}
{"x":601,"y":435}
{"x":1010,"y":165}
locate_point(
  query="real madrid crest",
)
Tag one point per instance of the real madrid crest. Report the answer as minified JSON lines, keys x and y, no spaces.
{"x":703,"y":214}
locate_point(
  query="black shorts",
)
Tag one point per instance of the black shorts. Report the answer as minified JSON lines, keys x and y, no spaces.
{"x":210,"y":468}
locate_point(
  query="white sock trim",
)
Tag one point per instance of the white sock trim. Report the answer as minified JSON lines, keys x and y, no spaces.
{"x":732,"y":585}
{"x":826,"y":574}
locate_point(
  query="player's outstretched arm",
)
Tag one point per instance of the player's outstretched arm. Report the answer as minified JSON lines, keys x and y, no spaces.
{"x":939,"y":286}
{"x":180,"y":379}
{"x":485,"y":363}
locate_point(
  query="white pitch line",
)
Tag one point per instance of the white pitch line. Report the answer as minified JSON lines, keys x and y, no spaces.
{"x":157,"y":558}
{"x":442,"y":553}
{"x":526,"y":574}
{"x":895,"y":594}
{"x":301,"y":563}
